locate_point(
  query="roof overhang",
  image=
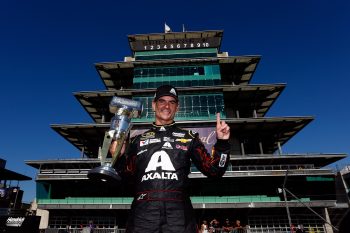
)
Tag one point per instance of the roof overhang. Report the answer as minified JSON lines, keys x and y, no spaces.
{"x":89,"y":137}
{"x":244,"y":98}
{"x":203,"y":205}
{"x":234,"y":70}
{"x":318,"y":160}
{"x":11,"y":175}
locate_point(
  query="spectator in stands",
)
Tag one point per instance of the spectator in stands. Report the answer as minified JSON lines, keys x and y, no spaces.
{"x":204,"y":227}
{"x":214,"y":226}
{"x":300,"y":229}
{"x":227,"y":226}
{"x":91,"y":226}
{"x":292,"y":228}
{"x":237,"y":228}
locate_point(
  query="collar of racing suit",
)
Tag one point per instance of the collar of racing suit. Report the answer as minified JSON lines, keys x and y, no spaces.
{"x":160,"y":127}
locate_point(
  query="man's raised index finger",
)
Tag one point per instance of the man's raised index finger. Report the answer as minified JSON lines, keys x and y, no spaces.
{"x":218,"y":121}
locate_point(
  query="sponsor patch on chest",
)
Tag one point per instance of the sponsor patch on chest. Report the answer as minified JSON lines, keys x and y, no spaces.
{"x":178,"y":134}
{"x":183,"y":140}
{"x":181,"y":147}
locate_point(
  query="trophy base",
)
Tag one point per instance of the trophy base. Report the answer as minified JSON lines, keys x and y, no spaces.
{"x":104,"y":174}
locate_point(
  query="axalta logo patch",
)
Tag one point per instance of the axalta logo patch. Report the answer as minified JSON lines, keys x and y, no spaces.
{"x":166,"y":170}
{"x":14,"y":222}
{"x":162,"y":128}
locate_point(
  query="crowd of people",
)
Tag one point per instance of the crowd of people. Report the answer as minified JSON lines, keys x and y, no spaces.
{"x":226,"y":227}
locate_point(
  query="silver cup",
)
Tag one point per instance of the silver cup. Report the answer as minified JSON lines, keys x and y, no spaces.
{"x":124,"y":110}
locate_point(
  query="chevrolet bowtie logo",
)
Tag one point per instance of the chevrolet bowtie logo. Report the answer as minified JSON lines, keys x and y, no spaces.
{"x":183,"y":140}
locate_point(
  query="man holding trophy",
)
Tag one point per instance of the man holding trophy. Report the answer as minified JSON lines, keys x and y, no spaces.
{"x":159,"y":161}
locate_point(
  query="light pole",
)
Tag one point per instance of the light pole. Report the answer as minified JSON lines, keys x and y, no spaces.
{"x":283,"y":190}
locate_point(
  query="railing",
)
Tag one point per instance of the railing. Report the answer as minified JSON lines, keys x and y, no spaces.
{"x":87,"y":200}
{"x":53,"y":230}
{"x":64,"y":171}
{"x":307,"y":169}
{"x":272,"y":167}
{"x":194,"y":199}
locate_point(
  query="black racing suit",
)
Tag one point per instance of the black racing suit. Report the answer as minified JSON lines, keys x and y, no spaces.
{"x":159,"y":160}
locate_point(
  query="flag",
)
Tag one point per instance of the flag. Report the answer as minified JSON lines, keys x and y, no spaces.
{"x":166,"y":28}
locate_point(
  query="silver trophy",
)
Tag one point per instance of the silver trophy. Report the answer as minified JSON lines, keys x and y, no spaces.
{"x":124,"y":110}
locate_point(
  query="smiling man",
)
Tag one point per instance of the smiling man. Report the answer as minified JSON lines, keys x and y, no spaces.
{"x":159,"y":161}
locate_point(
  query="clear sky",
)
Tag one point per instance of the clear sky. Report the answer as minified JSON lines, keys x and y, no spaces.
{"x":48,"y":48}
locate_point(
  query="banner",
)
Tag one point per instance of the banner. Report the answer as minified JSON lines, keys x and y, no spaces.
{"x":19,"y":224}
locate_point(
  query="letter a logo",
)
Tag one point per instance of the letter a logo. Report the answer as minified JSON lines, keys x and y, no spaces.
{"x":160,"y":159}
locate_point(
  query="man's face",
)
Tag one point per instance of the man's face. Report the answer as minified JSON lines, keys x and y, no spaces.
{"x":165,"y":108}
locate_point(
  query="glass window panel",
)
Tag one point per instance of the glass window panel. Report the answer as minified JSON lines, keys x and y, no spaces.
{"x":218,"y":100}
{"x":182,"y":101}
{"x":186,"y":70}
{"x":213,"y":110}
{"x":151,"y":72}
{"x":159,"y":72}
{"x":211,"y":100}
{"x":217,"y":82}
{"x":153,"y":85}
{"x":166,"y":71}
{"x":172,"y":71}
{"x":201,"y":70}
{"x":144,"y":72}
{"x":196,"y":101}
{"x":203,"y":104}
{"x":137,"y":73}
{"x":180,"y":71}
{"x":215,"y":69}
{"x":208,"y":70}
{"x":188,"y":101}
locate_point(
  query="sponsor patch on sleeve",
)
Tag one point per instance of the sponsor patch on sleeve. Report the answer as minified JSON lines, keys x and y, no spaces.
{"x":192,"y":133}
{"x":222,"y":160}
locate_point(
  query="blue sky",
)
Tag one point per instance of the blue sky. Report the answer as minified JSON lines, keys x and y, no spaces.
{"x":48,"y":48}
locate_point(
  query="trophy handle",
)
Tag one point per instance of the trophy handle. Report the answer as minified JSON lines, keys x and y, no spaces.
{"x":106,"y":144}
{"x":120,"y":142}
